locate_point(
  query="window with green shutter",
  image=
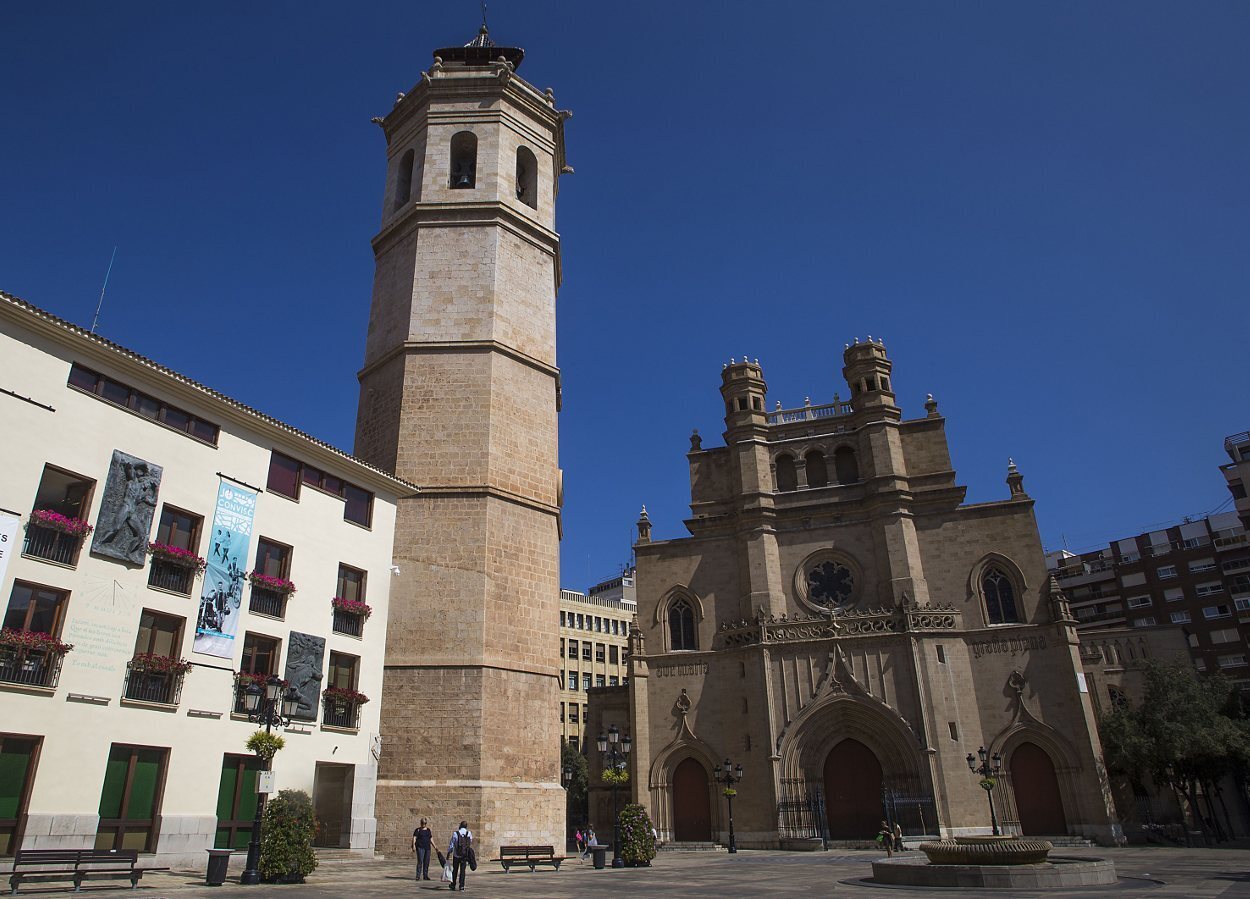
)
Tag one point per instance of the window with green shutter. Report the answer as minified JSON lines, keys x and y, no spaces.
{"x":131,"y":797}
{"x":236,"y":801}
{"x":17,"y":770}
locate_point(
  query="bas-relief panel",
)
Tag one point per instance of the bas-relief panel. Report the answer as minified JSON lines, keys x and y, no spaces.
{"x":126,"y":509}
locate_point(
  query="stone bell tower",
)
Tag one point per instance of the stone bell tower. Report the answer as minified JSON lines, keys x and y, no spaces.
{"x":459,"y":393}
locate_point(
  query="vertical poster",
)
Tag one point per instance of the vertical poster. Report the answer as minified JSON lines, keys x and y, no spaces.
{"x":8,"y":540}
{"x":227,"y":566}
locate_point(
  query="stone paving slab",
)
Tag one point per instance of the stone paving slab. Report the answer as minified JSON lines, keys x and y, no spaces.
{"x":1187,"y":873}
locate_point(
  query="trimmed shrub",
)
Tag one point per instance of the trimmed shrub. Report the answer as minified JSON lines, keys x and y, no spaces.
{"x":286,"y":853}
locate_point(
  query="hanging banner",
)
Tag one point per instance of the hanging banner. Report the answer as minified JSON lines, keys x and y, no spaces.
{"x":8,"y":540}
{"x":227,"y":566}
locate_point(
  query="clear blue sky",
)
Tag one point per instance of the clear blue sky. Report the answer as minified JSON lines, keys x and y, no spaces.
{"x":1043,"y":208}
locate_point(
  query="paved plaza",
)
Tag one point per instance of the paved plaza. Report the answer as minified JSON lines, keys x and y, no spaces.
{"x":1151,"y":872}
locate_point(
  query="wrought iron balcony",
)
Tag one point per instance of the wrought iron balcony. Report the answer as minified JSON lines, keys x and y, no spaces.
{"x":171,"y":576}
{"x":267,"y":602}
{"x":341,"y":713}
{"x":51,"y":545}
{"x":349,"y":623}
{"x":162,"y":687}
{"x":30,"y":667}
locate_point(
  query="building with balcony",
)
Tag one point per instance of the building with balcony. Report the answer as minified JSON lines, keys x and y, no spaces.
{"x":1237,"y":473}
{"x":162,"y":547}
{"x":594,"y":639}
{"x":1195,"y":575}
{"x":840,"y":623}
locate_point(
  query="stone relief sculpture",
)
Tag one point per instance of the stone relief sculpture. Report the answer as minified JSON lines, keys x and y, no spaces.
{"x":125,"y":519}
{"x":303,"y":670}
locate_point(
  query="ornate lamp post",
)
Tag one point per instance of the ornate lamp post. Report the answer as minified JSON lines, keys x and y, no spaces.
{"x":728,"y":775}
{"x":566,"y":776}
{"x":615,"y":749}
{"x":272,"y":708}
{"x":989,"y":769}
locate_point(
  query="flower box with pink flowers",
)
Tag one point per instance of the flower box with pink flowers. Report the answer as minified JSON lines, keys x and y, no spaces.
{"x":351,"y":606}
{"x":64,"y":524}
{"x":177,"y":556}
{"x":279,"y":585}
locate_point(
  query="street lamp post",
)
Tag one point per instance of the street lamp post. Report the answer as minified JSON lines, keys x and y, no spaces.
{"x":615,"y":749}
{"x":989,"y":769}
{"x":728,"y":775}
{"x":272,"y":708}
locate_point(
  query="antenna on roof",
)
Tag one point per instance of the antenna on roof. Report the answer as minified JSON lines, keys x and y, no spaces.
{"x":96,"y":319}
{"x":483,"y":13}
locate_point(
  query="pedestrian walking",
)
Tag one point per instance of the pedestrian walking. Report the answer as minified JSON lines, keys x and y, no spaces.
{"x":898,"y":837}
{"x":463,"y":858}
{"x":578,"y":841}
{"x":885,"y":837}
{"x":422,"y":844}
{"x":591,"y":840}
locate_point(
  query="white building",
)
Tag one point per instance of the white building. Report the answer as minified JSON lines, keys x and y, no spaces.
{"x":109,"y":744}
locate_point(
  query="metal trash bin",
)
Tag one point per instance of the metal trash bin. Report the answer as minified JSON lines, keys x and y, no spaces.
{"x":599,"y":854}
{"x":218,"y":862}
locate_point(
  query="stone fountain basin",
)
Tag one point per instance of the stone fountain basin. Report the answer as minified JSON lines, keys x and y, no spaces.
{"x":987,"y":851}
{"x":1058,"y":873}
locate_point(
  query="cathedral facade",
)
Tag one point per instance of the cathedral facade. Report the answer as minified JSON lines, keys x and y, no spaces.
{"x":844,"y":627}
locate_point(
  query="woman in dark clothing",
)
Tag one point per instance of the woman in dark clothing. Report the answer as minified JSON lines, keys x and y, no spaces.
{"x":422,"y":843}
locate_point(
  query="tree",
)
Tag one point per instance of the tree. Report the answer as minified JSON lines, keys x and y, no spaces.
{"x":1185,"y":732}
{"x":576,"y":799}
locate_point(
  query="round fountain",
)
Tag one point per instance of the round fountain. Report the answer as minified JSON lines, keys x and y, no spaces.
{"x":998,"y":862}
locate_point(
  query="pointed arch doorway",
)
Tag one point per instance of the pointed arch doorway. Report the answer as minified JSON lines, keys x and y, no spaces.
{"x":692,"y":815}
{"x":852,"y":791}
{"x":1037,"y":792}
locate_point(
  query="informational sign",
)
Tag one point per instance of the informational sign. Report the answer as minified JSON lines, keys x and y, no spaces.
{"x":222,"y":593}
{"x":8,"y":540}
{"x":266,"y":782}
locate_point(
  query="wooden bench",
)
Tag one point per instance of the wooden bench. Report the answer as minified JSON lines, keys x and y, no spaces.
{"x":76,"y":865}
{"x":528,"y":855}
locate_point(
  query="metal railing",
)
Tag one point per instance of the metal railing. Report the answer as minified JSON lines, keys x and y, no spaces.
{"x":341,"y":713}
{"x":267,"y":602}
{"x":54,"y":546}
{"x":30,"y":667}
{"x":162,"y":687}
{"x":808,"y":413}
{"x":348,"y":623}
{"x":172,"y":577}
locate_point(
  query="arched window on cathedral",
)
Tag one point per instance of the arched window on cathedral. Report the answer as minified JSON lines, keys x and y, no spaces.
{"x":817,"y":472}
{"x":787,"y":477}
{"x":463,"y":160}
{"x":845,"y":466}
{"x":403,"y":180}
{"x":526,"y":177}
{"x":1000,"y":597}
{"x":681,"y":632}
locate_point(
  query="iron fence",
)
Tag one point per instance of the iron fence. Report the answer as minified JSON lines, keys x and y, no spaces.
{"x":52,"y":546}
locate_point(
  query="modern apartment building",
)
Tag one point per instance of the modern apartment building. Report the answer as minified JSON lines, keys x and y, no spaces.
{"x":594,"y":634}
{"x":162,"y":548}
{"x":1237,"y":473}
{"x":1195,"y":575}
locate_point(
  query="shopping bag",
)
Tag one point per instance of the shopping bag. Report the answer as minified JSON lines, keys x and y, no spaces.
{"x":447,"y":873}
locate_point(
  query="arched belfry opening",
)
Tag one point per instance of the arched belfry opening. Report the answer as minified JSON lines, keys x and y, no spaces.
{"x":845,"y":465}
{"x":817,"y":472}
{"x":526,"y":177}
{"x":787,"y":475}
{"x":403,"y":179}
{"x":463,"y":160}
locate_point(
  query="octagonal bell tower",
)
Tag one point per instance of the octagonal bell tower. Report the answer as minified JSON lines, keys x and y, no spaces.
{"x":459,"y":393}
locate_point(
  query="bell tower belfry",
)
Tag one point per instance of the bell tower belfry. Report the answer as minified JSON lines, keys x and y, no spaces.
{"x":459,"y":393}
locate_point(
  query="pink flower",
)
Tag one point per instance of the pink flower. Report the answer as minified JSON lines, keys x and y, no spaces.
{"x":266,"y":582}
{"x":55,"y":521}
{"x":352,"y":606}
{"x":343,"y":694}
{"x":32,"y":640}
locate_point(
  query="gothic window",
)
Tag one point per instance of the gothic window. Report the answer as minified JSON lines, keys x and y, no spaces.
{"x":526,"y":177}
{"x":830,"y":584}
{"x":787,"y":477}
{"x":403,"y":181}
{"x":845,"y":466}
{"x":1000,"y":597}
{"x":464,"y":161}
{"x":817,"y":473}
{"x":681,"y":632}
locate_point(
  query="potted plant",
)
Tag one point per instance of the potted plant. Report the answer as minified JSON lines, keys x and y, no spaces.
{"x":36,"y":640}
{"x":265,"y":745}
{"x":637,"y":839}
{"x":343,"y":695}
{"x":351,"y":607}
{"x":64,"y":524}
{"x":286,"y":853}
{"x":151,"y":663}
{"x":279,"y":585}
{"x":176,"y":556}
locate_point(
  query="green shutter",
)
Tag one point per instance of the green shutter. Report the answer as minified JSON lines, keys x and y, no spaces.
{"x":146,"y":780}
{"x":225,"y":790}
{"x":114,"y":782}
{"x":15,"y":758}
{"x":247,"y":797}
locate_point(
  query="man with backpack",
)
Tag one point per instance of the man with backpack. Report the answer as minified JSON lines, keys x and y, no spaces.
{"x":462,"y":855}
